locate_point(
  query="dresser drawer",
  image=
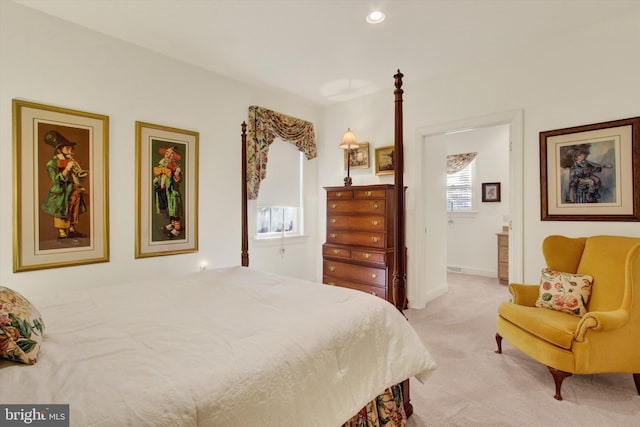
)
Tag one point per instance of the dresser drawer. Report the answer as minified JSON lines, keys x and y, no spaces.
{"x":357,"y":238}
{"x":369,"y":256}
{"x":356,"y":222}
{"x":356,"y":206}
{"x":503,"y":253}
{"x":370,"y":194}
{"x":503,"y":271}
{"x":373,"y":290}
{"x":356,"y":273}
{"x":339,"y":194}
{"x":336,"y":252}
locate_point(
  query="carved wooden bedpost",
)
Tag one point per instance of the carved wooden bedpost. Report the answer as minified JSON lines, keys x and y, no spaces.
{"x":399,"y":272}
{"x":245,"y":229}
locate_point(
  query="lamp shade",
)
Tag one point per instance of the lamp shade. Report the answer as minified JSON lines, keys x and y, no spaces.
{"x":348,"y":140}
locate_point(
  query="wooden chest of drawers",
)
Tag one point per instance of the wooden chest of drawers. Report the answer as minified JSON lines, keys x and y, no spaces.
{"x":359,"y":252}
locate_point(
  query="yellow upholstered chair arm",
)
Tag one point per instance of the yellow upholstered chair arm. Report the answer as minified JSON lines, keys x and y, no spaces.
{"x":524,"y":294}
{"x":601,"y":321}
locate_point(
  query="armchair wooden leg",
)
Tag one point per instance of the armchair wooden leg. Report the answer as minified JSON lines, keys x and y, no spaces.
{"x":558,"y":377}
{"x":636,"y":380}
{"x":499,"y":342}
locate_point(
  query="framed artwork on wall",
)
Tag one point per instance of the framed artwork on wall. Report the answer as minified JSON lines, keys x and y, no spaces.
{"x":60,"y":187}
{"x":359,"y":157}
{"x":166,"y":190}
{"x":490,"y":191}
{"x":384,"y":160}
{"x":591,"y":172}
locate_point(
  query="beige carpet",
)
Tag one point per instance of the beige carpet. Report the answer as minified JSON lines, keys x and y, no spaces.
{"x":473,"y":386}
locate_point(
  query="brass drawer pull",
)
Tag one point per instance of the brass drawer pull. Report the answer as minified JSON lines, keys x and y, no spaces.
{"x":375,"y":206}
{"x":333,"y":235}
{"x":339,"y":194}
{"x":333,"y":205}
{"x":333,"y":220}
{"x":374,"y":275}
{"x":375,"y":222}
{"x":375,"y":239}
{"x":336,"y":251}
{"x":368,"y":193}
{"x":332,"y":268}
{"x":367,"y":255}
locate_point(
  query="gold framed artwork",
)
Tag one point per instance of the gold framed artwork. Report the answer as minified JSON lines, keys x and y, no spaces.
{"x":384,"y":160}
{"x":591,"y":172}
{"x":166,"y":190}
{"x":60,"y":187}
{"x":359,"y":157}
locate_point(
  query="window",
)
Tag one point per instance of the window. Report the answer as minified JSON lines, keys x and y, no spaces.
{"x":279,"y":204}
{"x":276,"y":220}
{"x":459,"y":189}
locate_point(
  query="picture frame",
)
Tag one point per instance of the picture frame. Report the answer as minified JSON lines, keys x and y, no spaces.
{"x":166,"y":190}
{"x":591,"y":172}
{"x":384,"y":160}
{"x":60,"y":187}
{"x":490,"y":191}
{"x":359,"y":157}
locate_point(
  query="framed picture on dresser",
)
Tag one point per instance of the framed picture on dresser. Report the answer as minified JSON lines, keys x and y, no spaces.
{"x":384,"y":160}
{"x":359,"y":157}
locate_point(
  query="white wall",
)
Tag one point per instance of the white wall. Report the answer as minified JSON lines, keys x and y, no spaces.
{"x":589,"y":76}
{"x":52,"y":62}
{"x":471,"y":237}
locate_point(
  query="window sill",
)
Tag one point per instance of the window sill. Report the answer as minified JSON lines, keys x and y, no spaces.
{"x":465,"y":214}
{"x":265,"y":242}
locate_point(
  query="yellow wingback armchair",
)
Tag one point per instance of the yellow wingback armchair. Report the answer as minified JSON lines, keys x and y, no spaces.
{"x":604,"y":340}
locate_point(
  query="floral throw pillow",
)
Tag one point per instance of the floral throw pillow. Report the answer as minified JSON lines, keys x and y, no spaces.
{"x":21,"y":328}
{"x":565,"y":292}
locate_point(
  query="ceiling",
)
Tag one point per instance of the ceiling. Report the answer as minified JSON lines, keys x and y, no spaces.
{"x":323,"y":50}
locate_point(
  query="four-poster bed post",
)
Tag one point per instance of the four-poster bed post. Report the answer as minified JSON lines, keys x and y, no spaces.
{"x":245,"y":228}
{"x":399,"y":269}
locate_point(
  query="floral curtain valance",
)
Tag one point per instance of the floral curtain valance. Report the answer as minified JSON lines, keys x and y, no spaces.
{"x":264,"y":126}
{"x":457,"y":162}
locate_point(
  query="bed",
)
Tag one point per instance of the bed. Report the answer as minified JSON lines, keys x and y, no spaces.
{"x":224,"y":347}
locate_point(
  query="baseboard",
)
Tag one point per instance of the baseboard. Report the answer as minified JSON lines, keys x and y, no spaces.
{"x":471,"y":270}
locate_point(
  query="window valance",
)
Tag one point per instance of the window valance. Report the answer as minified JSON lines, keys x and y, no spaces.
{"x":264,"y":126}
{"x":457,"y":162}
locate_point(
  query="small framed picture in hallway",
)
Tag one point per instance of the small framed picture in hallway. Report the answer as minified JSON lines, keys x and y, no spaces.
{"x":490,"y":191}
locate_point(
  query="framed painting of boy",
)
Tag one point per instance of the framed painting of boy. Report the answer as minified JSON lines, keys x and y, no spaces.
{"x":591,"y":172}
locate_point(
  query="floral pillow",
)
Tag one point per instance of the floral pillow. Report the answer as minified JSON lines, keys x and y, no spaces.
{"x":21,"y":328}
{"x":565,"y":292}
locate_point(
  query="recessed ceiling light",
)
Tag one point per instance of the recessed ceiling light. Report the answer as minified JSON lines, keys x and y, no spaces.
{"x":375,"y":17}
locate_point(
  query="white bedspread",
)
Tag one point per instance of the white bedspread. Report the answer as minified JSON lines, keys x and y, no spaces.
{"x":225,"y":347}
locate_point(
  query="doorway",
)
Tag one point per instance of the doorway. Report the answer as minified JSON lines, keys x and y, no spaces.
{"x":431,"y":208}
{"x":475,"y":216}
